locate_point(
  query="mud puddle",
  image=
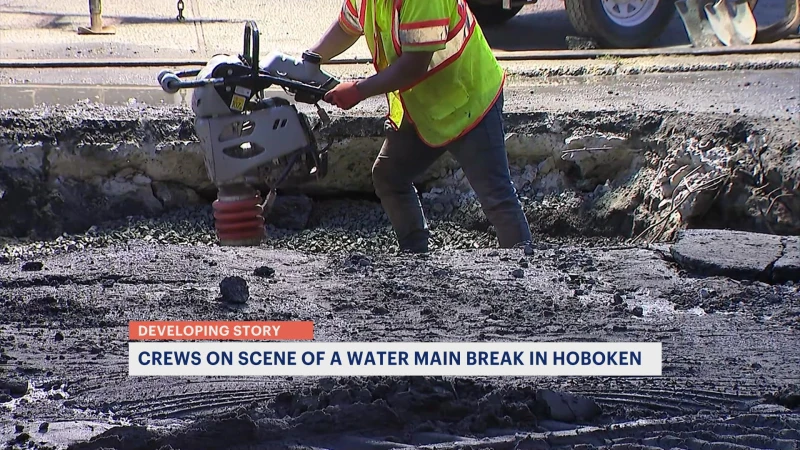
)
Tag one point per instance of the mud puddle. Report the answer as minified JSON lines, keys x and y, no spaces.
{"x":730,"y":352}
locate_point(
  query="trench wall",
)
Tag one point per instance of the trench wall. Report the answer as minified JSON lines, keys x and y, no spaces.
{"x":646,"y":173}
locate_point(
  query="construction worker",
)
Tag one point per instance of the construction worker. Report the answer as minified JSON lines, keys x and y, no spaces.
{"x":445,"y":93}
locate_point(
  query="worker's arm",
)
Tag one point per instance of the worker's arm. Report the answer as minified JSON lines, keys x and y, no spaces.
{"x":341,"y":35}
{"x":423,"y":29}
{"x":334,"y":42}
{"x":406,"y":71}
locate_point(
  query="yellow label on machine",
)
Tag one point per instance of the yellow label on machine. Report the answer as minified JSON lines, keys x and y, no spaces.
{"x":237,"y":103}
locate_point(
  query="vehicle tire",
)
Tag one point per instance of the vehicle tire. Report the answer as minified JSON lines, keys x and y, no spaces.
{"x":492,"y":14}
{"x":615,"y":24}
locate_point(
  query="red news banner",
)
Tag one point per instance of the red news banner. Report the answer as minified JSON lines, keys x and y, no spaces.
{"x":220,"y":331}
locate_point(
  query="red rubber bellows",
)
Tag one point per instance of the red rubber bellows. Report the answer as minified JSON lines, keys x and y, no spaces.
{"x":239,"y":222}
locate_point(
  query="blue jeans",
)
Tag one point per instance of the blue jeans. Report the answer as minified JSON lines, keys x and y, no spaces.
{"x":481,"y":154}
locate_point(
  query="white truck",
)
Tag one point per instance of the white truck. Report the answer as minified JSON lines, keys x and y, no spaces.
{"x":612,"y":23}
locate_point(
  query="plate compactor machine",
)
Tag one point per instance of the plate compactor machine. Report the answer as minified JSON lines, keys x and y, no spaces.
{"x":247,"y":138}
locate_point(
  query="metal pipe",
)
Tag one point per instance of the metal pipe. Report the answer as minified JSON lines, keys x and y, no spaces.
{"x":96,"y":20}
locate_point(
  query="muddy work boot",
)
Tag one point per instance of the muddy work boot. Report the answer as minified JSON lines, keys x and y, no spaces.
{"x":415,"y":242}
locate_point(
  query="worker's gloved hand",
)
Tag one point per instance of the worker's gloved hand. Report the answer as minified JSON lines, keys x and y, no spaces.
{"x":344,"y":95}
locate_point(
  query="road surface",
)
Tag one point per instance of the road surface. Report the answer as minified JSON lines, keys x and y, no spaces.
{"x":147,"y":28}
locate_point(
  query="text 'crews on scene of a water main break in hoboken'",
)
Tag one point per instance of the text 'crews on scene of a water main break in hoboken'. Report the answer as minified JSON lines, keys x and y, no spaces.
{"x":395,"y":358}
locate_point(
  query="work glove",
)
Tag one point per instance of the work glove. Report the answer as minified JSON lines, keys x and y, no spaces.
{"x":344,"y":95}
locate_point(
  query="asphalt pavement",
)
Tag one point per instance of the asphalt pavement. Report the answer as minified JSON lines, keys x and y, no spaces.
{"x":149,"y":28}
{"x":726,"y":92}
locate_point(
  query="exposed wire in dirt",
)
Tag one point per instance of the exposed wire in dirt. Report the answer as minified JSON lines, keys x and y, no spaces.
{"x":772,"y":203}
{"x":706,"y":186}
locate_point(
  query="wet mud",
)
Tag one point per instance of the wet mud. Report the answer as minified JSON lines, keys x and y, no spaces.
{"x":729,"y":374}
{"x":70,"y":284}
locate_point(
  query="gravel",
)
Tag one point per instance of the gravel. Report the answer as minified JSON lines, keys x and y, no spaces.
{"x":336,"y":226}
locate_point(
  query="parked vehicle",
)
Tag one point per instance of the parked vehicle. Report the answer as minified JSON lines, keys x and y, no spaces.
{"x":613,"y":23}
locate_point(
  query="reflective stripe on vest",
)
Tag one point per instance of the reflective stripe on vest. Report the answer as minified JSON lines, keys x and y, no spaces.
{"x":440,"y":126}
{"x":432,"y":32}
{"x":424,"y":33}
{"x":352,"y":17}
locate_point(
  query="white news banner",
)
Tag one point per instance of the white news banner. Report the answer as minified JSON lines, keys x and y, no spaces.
{"x":395,"y":359}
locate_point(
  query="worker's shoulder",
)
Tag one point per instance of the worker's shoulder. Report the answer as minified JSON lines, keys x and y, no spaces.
{"x":422,"y":3}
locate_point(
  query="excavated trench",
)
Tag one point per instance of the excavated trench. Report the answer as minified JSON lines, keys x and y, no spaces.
{"x":106,"y":220}
{"x":613,"y":174}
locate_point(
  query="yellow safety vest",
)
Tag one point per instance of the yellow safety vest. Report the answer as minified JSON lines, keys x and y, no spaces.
{"x":464,"y":78}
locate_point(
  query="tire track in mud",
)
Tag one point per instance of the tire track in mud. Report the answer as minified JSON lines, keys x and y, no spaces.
{"x":681,"y":402}
{"x":176,"y":406}
{"x":377,"y":427}
{"x":742,"y":432}
{"x":195,"y":398}
{"x":172,"y":398}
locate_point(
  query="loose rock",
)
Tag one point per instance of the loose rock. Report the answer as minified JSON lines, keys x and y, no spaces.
{"x":518,"y":273}
{"x":264,"y":272}
{"x":439,"y":272}
{"x":566,"y":407}
{"x":234,"y":290}
{"x":14,"y":387}
{"x":32,"y":266}
{"x":174,"y":195}
{"x":290,"y":212}
{"x":766,"y":408}
{"x":788,"y":397}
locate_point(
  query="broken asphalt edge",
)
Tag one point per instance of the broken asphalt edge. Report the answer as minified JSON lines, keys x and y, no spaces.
{"x":738,"y":254}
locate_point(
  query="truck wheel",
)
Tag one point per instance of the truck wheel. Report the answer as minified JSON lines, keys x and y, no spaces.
{"x":621,"y":23}
{"x":492,"y":14}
